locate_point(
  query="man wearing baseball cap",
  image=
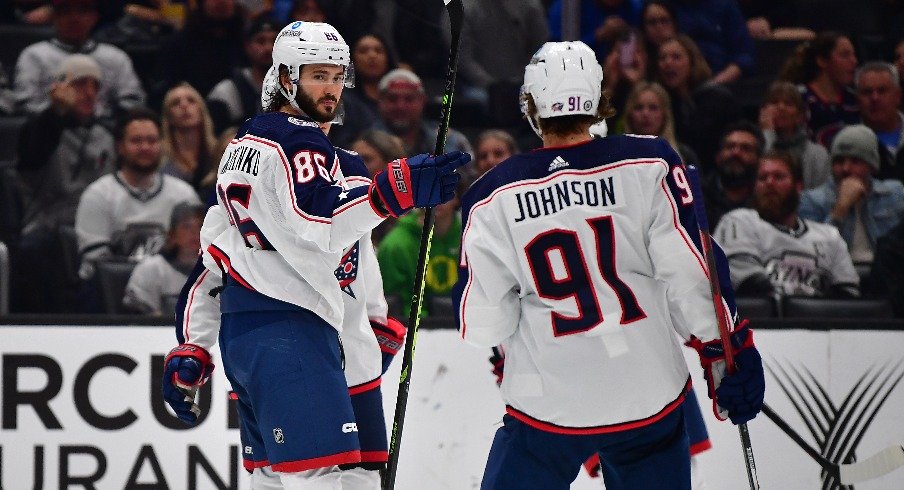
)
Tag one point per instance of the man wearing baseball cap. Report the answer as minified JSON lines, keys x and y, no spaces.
{"x":38,"y":64}
{"x":62,"y":150}
{"x":862,"y":207}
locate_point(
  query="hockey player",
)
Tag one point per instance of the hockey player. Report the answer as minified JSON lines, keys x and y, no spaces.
{"x":291,"y":213}
{"x":582,"y":260}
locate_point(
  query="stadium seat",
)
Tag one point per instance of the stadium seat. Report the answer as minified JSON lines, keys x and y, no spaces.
{"x":10,"y":126}
{"x":113,"y":276}
{"x":755,"y":307}
{"x":799,"y":307}
{"x":440,"y":306}
{"x":16,"y":37}
{"x":4,"y":279}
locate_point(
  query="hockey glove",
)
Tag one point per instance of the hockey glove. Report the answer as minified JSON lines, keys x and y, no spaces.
{"x":391,"y":338}
{"x":421,"y":181}
{"x":185,"y":369}
{"x":737,"y":396}
{"x":498,"y":362}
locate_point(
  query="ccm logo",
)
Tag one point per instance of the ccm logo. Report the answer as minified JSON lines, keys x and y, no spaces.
{"x":349,"y":427}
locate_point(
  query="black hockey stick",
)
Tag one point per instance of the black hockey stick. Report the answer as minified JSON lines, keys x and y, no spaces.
{"x":456,"y":14}
{"x":706,"y":241}
{"x":886,"y":461}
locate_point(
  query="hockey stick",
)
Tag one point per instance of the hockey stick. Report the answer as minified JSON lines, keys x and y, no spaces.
{"x":706,"y":241}
{"x":456,"y":13}
{"x":884,"y":462}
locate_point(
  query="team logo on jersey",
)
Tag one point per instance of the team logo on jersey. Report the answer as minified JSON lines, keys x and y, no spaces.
{"x":347,"y":271}
{"x":557,"y":163}
{"x":278,"y":436}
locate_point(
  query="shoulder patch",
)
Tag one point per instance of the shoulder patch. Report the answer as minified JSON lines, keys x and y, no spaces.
{"x":299,"y":122}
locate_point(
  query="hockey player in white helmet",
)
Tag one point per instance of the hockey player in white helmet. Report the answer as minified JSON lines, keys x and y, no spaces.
{"x":582,"y":260}
{"x":285,"y":214}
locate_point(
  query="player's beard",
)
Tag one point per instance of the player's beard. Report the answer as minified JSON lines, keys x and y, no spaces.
{"x":776,"y":208}
{"x":309,"y":106}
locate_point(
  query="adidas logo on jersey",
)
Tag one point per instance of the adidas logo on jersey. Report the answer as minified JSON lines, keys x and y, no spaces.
{"x":557,"y":163}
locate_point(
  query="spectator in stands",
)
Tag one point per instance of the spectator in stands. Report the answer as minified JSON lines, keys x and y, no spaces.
{"x":879,"y":95}
{"x":162,"y":275}
{"x":720,"y":31}
{"x":491,"y":148}
{"x":62,"y":150}
{"x":602,"y":22}
{"x":649,"y":111}
{"x":521,"y":23}
{"x":401,"y":107}
{"x":782,"y":119}
{"x":702,"y":109}
{"x":862,"y":207}
{"x":887,"y":271}
{"x":238,"y":97}
{"x":377,"y":148}
{"x":731,"y":185}
{"x":659,"y":26}
{"x":824,"y":71}
{"x":773,"y":19}
{"x":398,"y":251}
{"x":402,"y":24}
{"x":624,"y":66}
{"x":126,"y":214}
{"x":899,"y":59}
{"x":359,"y":103}
{"x":73,"y":21}
{"x":188,"y":139}
{"x":773,"y":252}
{"x":207,"y":49}
{"x":34,"y":12}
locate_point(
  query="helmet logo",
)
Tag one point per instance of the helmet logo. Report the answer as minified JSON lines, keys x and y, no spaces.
{"x":557,"y":107}
{"x":587,"y":105}
{"x":295,"y":25}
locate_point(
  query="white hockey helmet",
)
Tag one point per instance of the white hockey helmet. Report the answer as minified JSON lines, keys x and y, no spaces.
{"x":305,"y":43}
{"x":563,"y":79}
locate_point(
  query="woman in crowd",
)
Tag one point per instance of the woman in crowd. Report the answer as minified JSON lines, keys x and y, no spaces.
{"x":624,"y":66}
{"x":649,"y":111}
{"x":824,"y":70}
{"x":492,"y":147}
{"x":188,"y":137}
{"x":659,"y":25}
{"x":702,"y":109}
{"x":782,"y":119}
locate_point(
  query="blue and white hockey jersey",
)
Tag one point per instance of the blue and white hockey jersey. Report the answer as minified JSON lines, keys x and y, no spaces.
{"x":282,"y":188}
{"x":582,"y":262}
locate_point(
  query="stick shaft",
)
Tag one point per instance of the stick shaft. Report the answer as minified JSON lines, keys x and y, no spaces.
{"x":455,"y":10}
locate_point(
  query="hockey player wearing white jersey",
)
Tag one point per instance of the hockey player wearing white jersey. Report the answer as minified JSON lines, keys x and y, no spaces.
{"x":582,"y":260}
{"x":292,"y":213}
{"x":772,"y":251}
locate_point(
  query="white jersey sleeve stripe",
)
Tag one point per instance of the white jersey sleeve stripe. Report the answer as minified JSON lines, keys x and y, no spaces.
{"x":680,"y":229}
{"x":188,"y":306}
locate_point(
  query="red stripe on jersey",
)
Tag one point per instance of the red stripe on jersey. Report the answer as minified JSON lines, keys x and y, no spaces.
{"x":351,"y":204}
{"x":681,"y":231}
{"x":700,"y":447}
{"x":187,"y":312}
{"x":603,"y":429}
{"x":222,"y":260}
{"x":251,"y":465}
{"x":358,"y":179}
{"x":285,"y":162}
{"x":322,"y":462}
{"x":374,"y":456}
{"x":361,"y":388}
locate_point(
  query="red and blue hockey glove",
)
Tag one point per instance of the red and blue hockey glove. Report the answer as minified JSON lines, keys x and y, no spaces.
{"x":421,"y":181}
{"x":391,"y":338}
{"x":186,"y":368}
{"x":737,"y":396}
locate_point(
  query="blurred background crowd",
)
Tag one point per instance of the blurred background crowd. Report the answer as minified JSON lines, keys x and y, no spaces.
{"x":114,"y":116}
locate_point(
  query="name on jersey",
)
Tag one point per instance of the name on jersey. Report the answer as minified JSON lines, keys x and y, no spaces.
{"x":243,"y":159}
{"x":561,"y":195}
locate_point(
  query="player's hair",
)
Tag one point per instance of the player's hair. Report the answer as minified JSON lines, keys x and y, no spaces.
{"x":132,"y":115}
{"x":802,"y":66}
{"x":747,"y":127}
{"x":279,"y":100}
{"x":878,"y":67}
{"x":667,"y":132}
{"x":794,"y":166}
{"x":785,"y":91}
{"x":563,"y":125}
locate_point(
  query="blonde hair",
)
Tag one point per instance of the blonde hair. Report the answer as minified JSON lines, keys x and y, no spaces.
{"x":667,"y":131}
{"x":208,"y":140}
{"x":700,"y":71}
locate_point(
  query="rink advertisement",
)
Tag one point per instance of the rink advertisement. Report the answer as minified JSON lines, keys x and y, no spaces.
{"x":81,"y":407}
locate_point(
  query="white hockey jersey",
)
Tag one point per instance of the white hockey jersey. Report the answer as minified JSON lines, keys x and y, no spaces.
{"x":809,"y":260}
{"x":582,"y":262}
{"x":357,"y":276}
{"x":281,"y":186}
